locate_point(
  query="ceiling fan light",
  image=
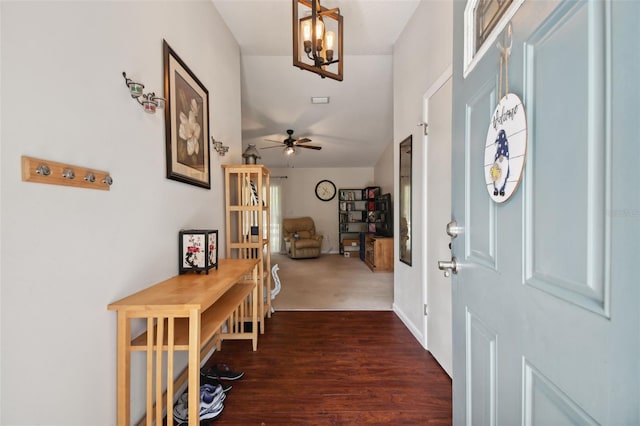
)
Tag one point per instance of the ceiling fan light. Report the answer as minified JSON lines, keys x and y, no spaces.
{"x":290,"y":151}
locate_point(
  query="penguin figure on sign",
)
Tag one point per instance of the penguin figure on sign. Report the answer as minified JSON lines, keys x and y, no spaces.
{"x":500,"y":169}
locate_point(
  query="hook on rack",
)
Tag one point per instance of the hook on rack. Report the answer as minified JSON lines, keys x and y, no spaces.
{"x":43,"y":170}
{"x":68,"y":174}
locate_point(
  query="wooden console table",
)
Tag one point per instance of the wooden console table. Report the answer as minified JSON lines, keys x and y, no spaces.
{"x":185,"y":313}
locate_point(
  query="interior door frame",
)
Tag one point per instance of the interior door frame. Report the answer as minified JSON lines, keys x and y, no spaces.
{"x":432,"y":90}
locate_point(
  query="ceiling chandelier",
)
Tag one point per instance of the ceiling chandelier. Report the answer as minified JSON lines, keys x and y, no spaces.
{"x":320,"y":51}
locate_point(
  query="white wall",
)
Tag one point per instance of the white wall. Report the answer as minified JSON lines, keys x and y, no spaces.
{"x":299,"y":198}
{"x":68,"y":252}
{"x":421,"y":54}
{"x":383,"y":171}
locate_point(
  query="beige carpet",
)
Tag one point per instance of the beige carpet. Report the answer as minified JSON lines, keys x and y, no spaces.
{"x":331,"y":282}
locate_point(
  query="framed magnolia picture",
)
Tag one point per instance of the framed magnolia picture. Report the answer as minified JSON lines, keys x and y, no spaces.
{"x":186,"y":122}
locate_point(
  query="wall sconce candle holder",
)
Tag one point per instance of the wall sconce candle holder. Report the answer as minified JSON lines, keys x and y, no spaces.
{"x":219,"y":147}
{"x":149,"y":101}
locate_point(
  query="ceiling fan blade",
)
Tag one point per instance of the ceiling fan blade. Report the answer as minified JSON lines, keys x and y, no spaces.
{"x":303,"y":140}
{"x":271,"y":140}
{"x":317,"y":148}
{"x":269,"y":147}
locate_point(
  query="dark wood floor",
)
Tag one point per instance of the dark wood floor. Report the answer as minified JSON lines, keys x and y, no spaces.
{"x":338,"y":368}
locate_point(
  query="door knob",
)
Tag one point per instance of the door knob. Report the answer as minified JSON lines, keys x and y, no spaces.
{"x":448,"y":266}
{"x":453,"y":229}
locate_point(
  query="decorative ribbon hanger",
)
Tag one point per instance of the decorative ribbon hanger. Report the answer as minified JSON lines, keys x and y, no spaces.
{"x":505,"y":52}
{"x":506,"y":142}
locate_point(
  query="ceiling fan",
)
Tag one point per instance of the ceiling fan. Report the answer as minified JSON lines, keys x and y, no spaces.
{"x":290,"y":144}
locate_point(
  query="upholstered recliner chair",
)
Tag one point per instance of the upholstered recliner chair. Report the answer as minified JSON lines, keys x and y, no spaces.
{"x":300,"y":238}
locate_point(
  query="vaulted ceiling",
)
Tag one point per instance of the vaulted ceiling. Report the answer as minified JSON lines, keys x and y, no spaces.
{"x":356,"y":126}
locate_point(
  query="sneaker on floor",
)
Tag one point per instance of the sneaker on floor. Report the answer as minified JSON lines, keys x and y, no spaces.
{"x":211,"y":398}
{"x":212,"y":411}
{"x":223,"y":372}
{"x":226,"y":386}
{"x":209,"y":392}
{"x":207,"y":412}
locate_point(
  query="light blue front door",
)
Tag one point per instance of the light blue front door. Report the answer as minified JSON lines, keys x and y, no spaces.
{"x":546,"y":324}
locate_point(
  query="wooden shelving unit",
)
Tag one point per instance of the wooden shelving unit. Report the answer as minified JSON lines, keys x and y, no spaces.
{"x":355,"y":207}
{"x":248,"y":219}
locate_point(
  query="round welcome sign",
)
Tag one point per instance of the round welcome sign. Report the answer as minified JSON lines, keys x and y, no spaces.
{"x":505,"y":149}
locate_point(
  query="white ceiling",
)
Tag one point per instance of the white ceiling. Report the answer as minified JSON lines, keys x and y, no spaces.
{"x":357,"y":124}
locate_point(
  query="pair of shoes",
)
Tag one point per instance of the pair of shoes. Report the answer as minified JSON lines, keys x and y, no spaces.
{"x":222,"y":371}
{"x":226,"y":386}
{"x":211,"y":406}
{"x":212,"y":396}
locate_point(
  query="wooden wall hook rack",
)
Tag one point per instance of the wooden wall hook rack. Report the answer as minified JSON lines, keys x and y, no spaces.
{"x":44,"y":171}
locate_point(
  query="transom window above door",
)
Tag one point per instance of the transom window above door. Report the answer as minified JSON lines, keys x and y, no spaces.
{"x":484,"y":20}
{"x":487,"y":13}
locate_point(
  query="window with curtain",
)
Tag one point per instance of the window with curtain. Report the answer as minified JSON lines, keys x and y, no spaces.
{"x":276,"y":216}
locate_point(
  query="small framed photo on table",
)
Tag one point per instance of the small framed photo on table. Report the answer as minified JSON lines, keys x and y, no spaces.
{"x":198,"y":250}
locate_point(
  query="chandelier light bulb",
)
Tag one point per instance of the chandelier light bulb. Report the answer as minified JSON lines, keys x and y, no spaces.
{"x":330,"y":39}
{"x":306,"y":30}
{"x":319,"y":31}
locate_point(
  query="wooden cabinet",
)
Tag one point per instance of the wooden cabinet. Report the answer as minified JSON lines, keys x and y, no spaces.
{"x":248,"y":218}
{"x":378,"y":253}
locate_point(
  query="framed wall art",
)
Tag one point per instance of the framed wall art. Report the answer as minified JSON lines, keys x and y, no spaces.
{"x":186,"y":122}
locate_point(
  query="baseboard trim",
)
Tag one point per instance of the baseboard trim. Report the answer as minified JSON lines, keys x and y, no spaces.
{"x":412,"y":328}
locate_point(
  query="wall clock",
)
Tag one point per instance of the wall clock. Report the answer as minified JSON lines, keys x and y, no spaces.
{"x":325,"y":190}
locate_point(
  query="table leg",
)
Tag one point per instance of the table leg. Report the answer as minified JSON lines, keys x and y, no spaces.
{"x":194,"y":367}
{"x":256,"y":301}
{"x":123,"y":381}
{"x":260,"y":284}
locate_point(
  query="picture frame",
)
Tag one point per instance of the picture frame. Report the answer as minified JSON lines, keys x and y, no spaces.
{"x":186,"y":122}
